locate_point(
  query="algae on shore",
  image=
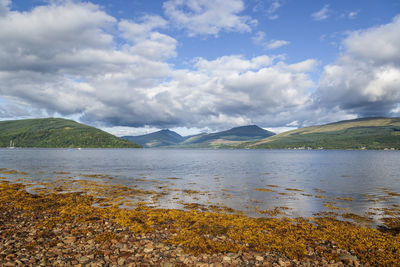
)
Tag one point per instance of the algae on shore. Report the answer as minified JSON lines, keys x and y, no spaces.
{"x":210,"y":232}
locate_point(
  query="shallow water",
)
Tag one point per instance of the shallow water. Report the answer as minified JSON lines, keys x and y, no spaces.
{"x":303,"y":181}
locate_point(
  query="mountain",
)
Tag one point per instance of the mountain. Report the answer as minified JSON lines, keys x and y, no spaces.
{"x":54,"y":132}
{"x":227,"y":139}
{"x":367,"y":133}
{"x":157,"y":139}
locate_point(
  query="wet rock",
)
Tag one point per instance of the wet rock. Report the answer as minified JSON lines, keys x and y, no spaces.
{"x":121,"y":261}
{"x":348,"y":259}
{"x":259,"y":258}
{"x":84,"y":260}
{"x":227,"y":259}
{"x":147,"y":250}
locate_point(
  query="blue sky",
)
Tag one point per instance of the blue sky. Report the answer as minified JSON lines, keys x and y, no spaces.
{"x":132,"y":67}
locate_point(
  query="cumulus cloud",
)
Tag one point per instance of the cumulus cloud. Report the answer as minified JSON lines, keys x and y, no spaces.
{"x":274,"y":44}
{"x":138,"y":31}
{"x":232,"y":90}
{"x":321,"y":14}
{"x":75,"y":60}
{"x":260,"y":39}
{"x":365,"y":80}
{"x":62,"y":57}
{"x":203,"y":17}
{"x":269,"y":7}
{"x":273,"y":8}
{"x":4,"y":7}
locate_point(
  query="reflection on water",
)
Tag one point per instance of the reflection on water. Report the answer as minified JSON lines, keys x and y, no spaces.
{"x":296,"y":183}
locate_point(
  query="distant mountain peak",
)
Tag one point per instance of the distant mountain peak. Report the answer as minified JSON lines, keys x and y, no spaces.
{"x":253,"y":126}
{"x":167,"y":137}
{"x":163,"y":137}
{"x":250,"y":130}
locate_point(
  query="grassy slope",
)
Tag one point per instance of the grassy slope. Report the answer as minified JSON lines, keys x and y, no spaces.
{"x":227,"y":139}
{"x":371,"y":133}
{"x":53,"y":132}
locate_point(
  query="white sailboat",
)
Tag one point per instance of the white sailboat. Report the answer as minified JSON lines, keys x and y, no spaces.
{"x":12,"y":145}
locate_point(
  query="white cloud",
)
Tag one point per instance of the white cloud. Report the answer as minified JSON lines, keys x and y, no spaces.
{"x":274,"y":6}
{"x":352,"y":14}
{"x":157,"y":46}
{"x":138,"y":31}
{"x":232,"y":64}
{"x":303,"y":66}
{"x":321,"y":14}
{"x":234,"y":91}
{"x":4,"y":7}
{"x":279,"y":130}
{"x":75,"y":60}
{"x":268,"y":7}
{"x":366,"y":78}
{"x":62,"y":57}
{"x":395,"y":111}
{"x":260,"y":39}
{"x":203,"y":17}
{"x":274,"y":44}
{"x":378,"y":44}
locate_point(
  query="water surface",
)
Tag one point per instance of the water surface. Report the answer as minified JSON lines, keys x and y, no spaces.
{"x":303,"y":181}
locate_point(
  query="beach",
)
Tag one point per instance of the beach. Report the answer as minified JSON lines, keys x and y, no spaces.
{"x":77,"y":229}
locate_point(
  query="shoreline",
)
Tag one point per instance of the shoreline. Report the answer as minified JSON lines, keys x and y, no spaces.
{"x":62,"y":229}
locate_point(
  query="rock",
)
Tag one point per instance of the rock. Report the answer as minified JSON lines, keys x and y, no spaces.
{"x":160,"y":245}
{"x":84,"y":260}
{"x":259,"y":258}
{"x":121,"y":261}
{"x":226,"y":259}
{"x":347,"y":257}
{"x":282,"y":263}
{"x":69,"y":240}
{"x":148,"y":250}
{"x":149,"y":245}
{"x":167,"y":264}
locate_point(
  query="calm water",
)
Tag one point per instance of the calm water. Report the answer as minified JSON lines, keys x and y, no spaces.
{"x":229,"y":177}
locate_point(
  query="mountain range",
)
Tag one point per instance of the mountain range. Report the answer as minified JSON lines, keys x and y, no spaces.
{"x":224,"y":139}
{"x":366,"y":133}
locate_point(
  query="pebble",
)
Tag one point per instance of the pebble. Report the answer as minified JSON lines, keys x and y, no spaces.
{"x":84,"y":260}
{"x":259,"y":258}
{"x":147,"y":250}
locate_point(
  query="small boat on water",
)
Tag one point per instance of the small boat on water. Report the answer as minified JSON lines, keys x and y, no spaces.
{"x":12,"y":145}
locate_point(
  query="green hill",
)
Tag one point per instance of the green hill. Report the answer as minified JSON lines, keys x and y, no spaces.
{"x":367,"y":133}
{"x":54,"y":132}
{"x":227,"y":139}
{"x":157,"y":139}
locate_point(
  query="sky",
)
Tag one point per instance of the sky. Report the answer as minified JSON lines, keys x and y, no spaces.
{"x":136,"y":66}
